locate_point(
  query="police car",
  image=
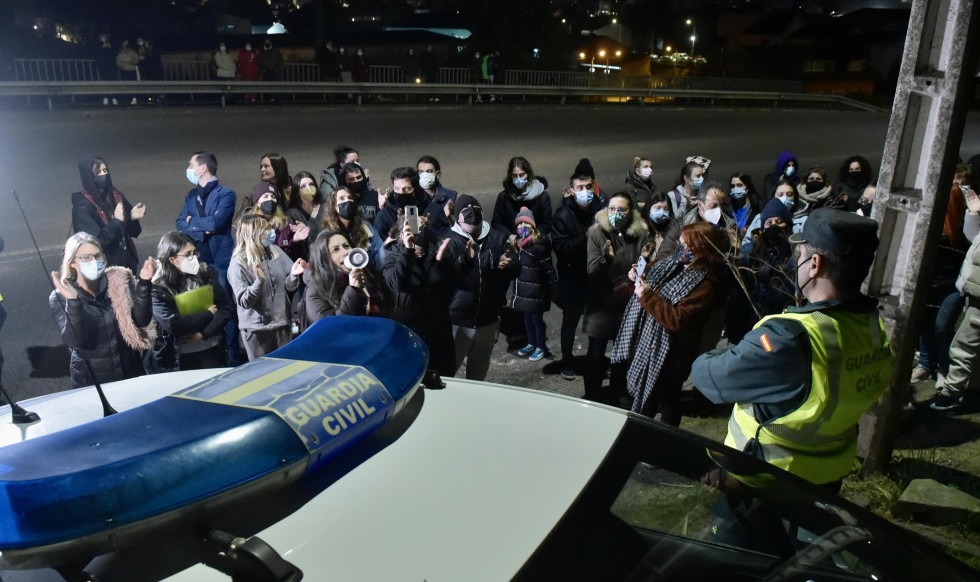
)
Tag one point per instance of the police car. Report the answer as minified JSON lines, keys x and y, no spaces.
{"x":391,"y":480}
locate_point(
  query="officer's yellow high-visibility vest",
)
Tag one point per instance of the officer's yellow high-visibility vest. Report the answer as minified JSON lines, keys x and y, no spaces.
{"x":851,"y":363}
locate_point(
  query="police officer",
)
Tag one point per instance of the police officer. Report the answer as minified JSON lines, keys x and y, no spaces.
{"x":802,"y":379}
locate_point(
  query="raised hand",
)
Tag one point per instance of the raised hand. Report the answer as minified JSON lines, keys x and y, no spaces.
{"x":149,"y":268}
{"x":259,"y":273}
{"x":63,"y":289}
{"x":137,"y":212}
{"x":298,"y":267}
{"x":120,"y":212}
{"x":442,"y":249}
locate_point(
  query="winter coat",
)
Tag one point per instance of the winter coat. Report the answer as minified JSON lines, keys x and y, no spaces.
{"x":510,"y":200}
{"x":422,"y":287}
{"x":248,"y":65}
{"x":479,"y":296}
{"x":637,"y":186}
{"x":212,"y":230}
{"x":92,"y":212}
{"x":298,"y":215}
{"x":165,"y":355}
{"x":263,"y":305}
{"x":128,"y":60}
{"x":664,"y":241}
{"x":225,"y":65}
{"x":388,"y":216}
{"x":109,"y":330}
{"x":609,"y":284}
{"x":439,"y":223}
{"x":852,"y":188}
{"x":353,"y":300}
{"x":537,"y":281}
{"x":569,"y":237}
{"x":968,"y":281}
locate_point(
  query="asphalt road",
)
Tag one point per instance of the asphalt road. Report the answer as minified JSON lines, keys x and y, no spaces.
{"x":148,"y":148}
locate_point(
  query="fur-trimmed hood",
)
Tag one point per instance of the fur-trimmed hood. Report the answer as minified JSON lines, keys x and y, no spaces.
{"x":119,"y":284}
{"x":636,"y":227}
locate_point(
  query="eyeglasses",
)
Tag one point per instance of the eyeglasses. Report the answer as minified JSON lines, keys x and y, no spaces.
{"x":190,"y":254}
{"x":89,"y":258}
{"x":621,"y":209}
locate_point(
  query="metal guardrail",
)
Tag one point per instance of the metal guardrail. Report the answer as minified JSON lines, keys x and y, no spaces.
{"x":585,"y":79}
{"x":188,"y":70}
{"x":300,"y":73}
{"x":56,"y":70}
{"x":454,"y":76}
{"x":387,"y":74}
{"x":53,"y":90}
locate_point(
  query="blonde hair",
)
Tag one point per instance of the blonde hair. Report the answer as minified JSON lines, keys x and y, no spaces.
{"x":76,"y":240}
{"x":637,"y":160}
{"x":248,"y":250}
{"x":278,"y":219}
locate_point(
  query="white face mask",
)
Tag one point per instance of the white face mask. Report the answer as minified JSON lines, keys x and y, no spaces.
{"x":713,"y":215}
{"x":584,"y":197}
{"x":645,"y":172}
{"x":92,"y":270}
{"x":190,"y":265}
{"x":192,"y":176}
{"x":427,"y":179}
{"x":787,"y":200}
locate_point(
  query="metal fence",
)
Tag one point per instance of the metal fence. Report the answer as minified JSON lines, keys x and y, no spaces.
{"x":301,"y":73}
{"x":56,"y":70}
{"x":454,"y":76}
{"x":386,"y":74}
{"x":187,"y":71}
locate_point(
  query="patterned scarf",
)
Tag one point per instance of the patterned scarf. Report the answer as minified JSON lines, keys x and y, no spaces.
{"x":642,"y":341}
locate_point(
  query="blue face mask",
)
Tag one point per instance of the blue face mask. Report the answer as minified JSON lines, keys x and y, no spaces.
{"x":698,"y":181}
{"x":269,"y":239}
{"x":584,"y":197}
{"x":520,"y":182}
{"x":790,"y":170}
{"x":787,"y":201}
{"x":659,"y":215}
{"x":191,"y":176}
{"x":738,"y":193}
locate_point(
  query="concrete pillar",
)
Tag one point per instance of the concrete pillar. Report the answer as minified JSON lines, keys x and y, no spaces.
{"x":924,"y":135}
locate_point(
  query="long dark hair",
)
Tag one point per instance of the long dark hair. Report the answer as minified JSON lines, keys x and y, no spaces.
{"x":324,"y":277}
{"x":283,"y":183}
{"x":518,"y":162}
{"x":170,"y":276}
{"x":317,"y":198}
{"x":355,"y":232}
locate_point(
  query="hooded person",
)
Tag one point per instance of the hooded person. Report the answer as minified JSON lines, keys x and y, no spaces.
{"x":639,"y":182}
{"x":787,"y":170}
{"x":522,"y":189}
{"x":484,"y":268}
{"x":103,"y":212}
{"x":853,"y":178}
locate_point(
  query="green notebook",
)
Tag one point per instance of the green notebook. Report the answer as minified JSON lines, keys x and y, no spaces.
{"x":195,"y":300}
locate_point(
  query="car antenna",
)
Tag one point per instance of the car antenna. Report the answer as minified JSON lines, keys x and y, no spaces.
{"x":107,"y":409}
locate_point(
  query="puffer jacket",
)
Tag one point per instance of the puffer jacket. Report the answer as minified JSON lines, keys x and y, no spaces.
{"x":109,"y":330}
{"x":569,"y":236}
{"x":968,"y":282}
{"x":481,"y":287}
{"x":537,"y":281}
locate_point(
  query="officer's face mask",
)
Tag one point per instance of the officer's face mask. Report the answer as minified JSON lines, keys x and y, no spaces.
{"x":801,"y":299}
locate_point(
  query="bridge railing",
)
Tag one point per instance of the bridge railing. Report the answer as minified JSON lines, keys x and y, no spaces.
{"x":56,"y":70}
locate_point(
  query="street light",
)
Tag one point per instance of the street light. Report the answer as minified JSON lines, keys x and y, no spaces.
{"x":694,"y":32}
{"x":602,"y":53}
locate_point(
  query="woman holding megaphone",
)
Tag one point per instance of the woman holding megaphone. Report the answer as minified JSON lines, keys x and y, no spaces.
{"x":341,"y":280}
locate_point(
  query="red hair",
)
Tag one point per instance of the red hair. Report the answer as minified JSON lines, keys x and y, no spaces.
{"x":707,"y":243}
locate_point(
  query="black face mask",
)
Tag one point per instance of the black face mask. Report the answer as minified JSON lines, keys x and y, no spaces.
{"x":268,"y":207}
{"x":854,"y":179}
{"x":404,"y":200}
{"x":814,"y":186}
{"x":345,"y":210}
{"x":776,"y":236}
{"x":866,"y":209}
{"x":356,"y":188}
{"x":102,"y":181}
{"x":472,"y":215}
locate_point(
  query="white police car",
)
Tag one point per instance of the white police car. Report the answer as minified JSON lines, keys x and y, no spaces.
{"x":473,"y":481}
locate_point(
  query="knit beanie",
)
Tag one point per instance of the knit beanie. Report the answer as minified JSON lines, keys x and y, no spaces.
{"x":584,"y":168}
{"x":776,"y":208}
{"x":525,"y":215}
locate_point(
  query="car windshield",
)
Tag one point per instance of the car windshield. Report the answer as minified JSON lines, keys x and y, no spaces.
{"x":661,"y":508}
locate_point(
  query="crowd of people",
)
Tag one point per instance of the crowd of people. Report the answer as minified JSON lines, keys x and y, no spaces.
{"x":655,"y":276}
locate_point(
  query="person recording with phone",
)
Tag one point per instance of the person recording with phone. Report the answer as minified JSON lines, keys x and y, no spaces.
{"x":102,"y":211}
{"x":104,"y":315}
{"x":341,"y":281}
{"x":420,"y":274}
{"x":405,"y":191}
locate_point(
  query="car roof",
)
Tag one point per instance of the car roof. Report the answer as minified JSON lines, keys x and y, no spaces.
{"x":469,"y":491}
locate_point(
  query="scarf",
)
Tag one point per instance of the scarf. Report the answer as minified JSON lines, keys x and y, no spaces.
{"x":119,"y":288}
{"x":641,"y":338}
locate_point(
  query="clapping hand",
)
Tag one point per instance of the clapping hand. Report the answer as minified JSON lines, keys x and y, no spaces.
{"x":259,"y":273}
{"x":972,"y":200}
{"x":137,"y":212}
{"x":64,"y":289}
{"x":146,"y":273}
{"x":298,"y":267}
